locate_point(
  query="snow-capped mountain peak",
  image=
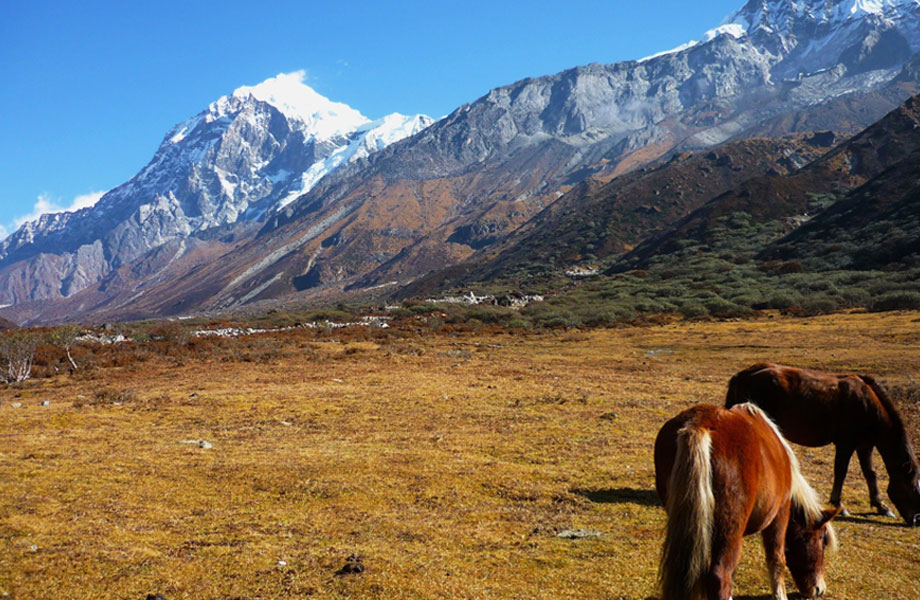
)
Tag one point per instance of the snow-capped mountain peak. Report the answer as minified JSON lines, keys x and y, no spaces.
{"x":251,"y":151}
{"x":779,"y":15}
{"x":785,"y":19}
{"x":288,"y":93}
{"x":364,"y":141}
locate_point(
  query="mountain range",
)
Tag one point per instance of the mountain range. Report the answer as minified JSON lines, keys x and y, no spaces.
{"x":274,"y":193}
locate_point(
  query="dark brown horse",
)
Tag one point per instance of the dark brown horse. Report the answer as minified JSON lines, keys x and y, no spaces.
{"x":853,"y":412}
{"x":723,"y":474}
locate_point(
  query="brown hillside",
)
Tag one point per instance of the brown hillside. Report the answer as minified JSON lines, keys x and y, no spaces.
{"x":772,"y":197}
{"x":596,"y":219}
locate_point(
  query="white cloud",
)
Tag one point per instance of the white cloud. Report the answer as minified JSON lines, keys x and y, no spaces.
{"x":45,"y":204}
{"x":85,"y":201}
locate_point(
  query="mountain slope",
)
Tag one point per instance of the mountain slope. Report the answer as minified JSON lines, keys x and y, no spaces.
{"x":877,"y":226}
{"x":597,"y":219}
{"x":249,"y":152}
{"x":489,"y":166}
{"x":465,"y":183}
{"x":768,"y":198}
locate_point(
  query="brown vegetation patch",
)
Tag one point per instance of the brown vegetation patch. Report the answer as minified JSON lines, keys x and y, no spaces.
{"x":403,"y":464}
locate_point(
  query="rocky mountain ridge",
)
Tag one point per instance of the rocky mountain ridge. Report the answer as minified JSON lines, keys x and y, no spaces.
{"x":463,"y":184}
{"x":248,"y":153}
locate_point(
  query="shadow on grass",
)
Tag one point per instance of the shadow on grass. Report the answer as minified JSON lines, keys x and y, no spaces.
{"x":761,"y":597}
{"x":620,"y":496}
{"x":866,"y":518}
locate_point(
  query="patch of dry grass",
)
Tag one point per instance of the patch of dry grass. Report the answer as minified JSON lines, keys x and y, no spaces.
{"x":446,"y":462}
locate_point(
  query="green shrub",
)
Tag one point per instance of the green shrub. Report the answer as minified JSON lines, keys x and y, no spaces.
{"x":490,"y":315}
{"x":896,"y":301}
{"x":557,"y":318}
{"x":331,"y":314}
{"x":748,"y":300}
{"x":855,"y":296}
{"x":693,"y":310}
{"x":783,"y":299}
{"x":720,"y":307}
{"x":819,"y":304}
{"x":519,"y":323}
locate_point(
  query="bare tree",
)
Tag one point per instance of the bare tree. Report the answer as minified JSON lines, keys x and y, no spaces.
{"x":17,"y":349}
{"x":65,"y":336}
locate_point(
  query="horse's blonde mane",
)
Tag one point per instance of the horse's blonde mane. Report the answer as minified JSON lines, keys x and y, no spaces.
{"x":803,"y":495}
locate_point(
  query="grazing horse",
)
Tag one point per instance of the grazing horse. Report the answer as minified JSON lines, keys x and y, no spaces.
{"x":853,"y":412}
{"x":723,"y":474}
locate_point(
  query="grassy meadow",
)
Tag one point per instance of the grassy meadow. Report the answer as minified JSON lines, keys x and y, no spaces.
{"x":444,"y":462}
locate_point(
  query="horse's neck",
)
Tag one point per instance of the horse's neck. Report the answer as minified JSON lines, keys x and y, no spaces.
{"x":890,"y":435}
{"x":894,"y":448}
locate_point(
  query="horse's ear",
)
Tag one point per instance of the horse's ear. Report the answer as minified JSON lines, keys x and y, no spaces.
{"x":827,"y":515}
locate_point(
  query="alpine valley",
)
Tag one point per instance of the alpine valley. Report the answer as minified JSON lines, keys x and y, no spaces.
{"x":794,"y":117}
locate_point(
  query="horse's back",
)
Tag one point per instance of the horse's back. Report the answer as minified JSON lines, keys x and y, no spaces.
{"x":750,"y":467}
{"x":808,"y":406}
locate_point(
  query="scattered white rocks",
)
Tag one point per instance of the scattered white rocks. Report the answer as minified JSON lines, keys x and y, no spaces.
{"x":232,"y":332}
{"x":472,"y":299}
{"x":578,"y":534}
{"x":582,"y":272}
{"x":655,"y":352}
{"x":469,"y":299}
{"x":103,"y":338}
{"x":203,"y":444}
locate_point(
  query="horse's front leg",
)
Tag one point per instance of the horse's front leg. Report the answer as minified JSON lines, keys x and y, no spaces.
{"x":864,"y":453}
{"x":842,"y":455}
{"x":774,"y":545}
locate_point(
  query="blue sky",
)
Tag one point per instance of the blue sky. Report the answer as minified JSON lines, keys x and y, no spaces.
{"x":88,"y":89}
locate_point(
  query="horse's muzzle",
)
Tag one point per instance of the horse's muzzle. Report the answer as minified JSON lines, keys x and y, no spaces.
{"x":818,"y":590}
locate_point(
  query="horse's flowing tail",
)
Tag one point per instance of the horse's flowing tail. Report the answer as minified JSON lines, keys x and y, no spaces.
{"x":685,"y":556}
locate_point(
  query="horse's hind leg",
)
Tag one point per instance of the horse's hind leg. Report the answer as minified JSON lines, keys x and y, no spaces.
{"x":864,"y":453}
{"x":774,"y":545}
{"x":842,"y":455}
{"x":726,"y":552}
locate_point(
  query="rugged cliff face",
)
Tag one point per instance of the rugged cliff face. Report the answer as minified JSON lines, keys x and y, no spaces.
{"x":254,"y":150}
{"x":464,"y":183}
{"x":481,"y":172}
{"x":878,"y":158}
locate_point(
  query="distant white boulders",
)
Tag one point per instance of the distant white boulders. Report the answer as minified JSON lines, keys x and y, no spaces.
{"x":513,"y":300}
{"x":582,"y":272}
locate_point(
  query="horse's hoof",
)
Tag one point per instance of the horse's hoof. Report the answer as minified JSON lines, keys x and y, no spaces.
{"x":844,"y":512}
{"x":883,"y":510}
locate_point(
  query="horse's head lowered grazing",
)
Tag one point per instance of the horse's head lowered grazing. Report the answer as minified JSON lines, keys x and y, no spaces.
{"x":905,"y":493}
{"x":724,"y":474}
{"x":900,"y":461}
{"x":807,"y":540}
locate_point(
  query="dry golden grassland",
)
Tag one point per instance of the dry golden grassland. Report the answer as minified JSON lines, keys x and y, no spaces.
{"x":446,"y":462}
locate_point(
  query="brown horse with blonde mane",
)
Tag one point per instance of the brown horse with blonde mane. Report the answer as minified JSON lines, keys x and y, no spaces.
{"x":723,"y":474}
{"x":853,"y":412}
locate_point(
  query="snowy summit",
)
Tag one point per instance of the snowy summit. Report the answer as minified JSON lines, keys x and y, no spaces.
{"x":248,"y":154}
{"x":779,"y":17}
{"x":296,"y":100}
